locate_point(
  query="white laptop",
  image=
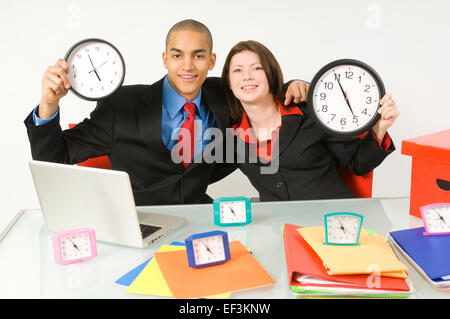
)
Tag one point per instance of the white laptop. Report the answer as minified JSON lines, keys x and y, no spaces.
{"x":73,"y":197}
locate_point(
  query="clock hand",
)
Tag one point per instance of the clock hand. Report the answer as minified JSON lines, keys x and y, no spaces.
{"x":98,"y":67}
{"x":441,"y":218}
{"x":97,"y":75}
{"x":95,"y":70}
{"x":342,"y":227}
{"x":232,"y":211}
{"x":102,"y":64}
{"x":345,"y":94}
{"x":74,"y":245}
{"x":91,"y":61}
{"x":207,"y":248}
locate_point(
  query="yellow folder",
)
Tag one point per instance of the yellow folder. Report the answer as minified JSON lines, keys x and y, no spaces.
{"x":372,"y":256}
{"x":151,"y":281}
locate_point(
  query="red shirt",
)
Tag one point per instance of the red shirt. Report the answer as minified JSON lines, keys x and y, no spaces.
{"x":264,"y":148}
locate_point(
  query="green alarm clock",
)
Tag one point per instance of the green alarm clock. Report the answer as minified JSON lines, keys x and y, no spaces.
{"x":232,"y":211}
{"x":342,"y":228}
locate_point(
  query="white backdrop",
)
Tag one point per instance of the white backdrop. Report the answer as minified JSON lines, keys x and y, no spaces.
{"x":406,"y":41}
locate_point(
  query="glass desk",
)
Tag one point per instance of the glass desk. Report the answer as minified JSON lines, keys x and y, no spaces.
{"x":29,"y":271}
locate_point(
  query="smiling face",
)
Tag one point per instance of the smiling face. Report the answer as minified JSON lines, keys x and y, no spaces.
{"x":188,"y":58}
{"x":247,"y":78}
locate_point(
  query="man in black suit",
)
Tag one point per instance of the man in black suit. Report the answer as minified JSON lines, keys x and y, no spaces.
{"x":136,"y":125}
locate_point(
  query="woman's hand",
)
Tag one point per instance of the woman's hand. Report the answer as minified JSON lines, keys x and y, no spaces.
{"x":389,"y":113}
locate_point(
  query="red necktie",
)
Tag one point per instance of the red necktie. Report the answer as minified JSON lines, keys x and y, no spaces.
{"x":187,"y":135}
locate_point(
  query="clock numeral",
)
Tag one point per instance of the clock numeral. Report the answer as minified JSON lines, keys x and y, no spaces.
{"x":367,"y":88}
{"x":364,"y":111}
{"x":349,"y":75}
{"x":324,"y":108}
{"x":368,"y":100}
{"x":337,"y":76}
{"x":328,"y":85}
{"x":323,"y":96}
{"x":333,"y":116}
{"x":343,"y":121}
{"x":355,"y":119}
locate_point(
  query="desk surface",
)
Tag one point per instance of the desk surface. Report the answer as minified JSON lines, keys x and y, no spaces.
{"x":29,"y":271}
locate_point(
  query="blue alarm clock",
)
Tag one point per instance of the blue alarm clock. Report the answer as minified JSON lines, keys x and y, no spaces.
{"x":232,"y":211}
{"x":207,"y":249}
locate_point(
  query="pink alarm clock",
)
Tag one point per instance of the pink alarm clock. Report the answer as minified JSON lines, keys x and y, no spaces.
{"x":74,"y":245}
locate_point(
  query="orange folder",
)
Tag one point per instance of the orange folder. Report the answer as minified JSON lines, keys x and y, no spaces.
{"x":242,"y":271}
{"x":301,"y":259}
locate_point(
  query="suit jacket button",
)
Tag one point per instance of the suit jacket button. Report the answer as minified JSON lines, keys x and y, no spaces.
{"x":279,"y":184}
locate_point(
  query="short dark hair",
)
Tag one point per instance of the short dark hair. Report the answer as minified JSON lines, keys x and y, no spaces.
{"x":191,"y":25}
{"x":271,"y":68}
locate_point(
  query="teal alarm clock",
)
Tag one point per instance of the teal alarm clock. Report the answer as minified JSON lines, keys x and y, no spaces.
{"x":343,"y":228}
{"x":232,"y":211}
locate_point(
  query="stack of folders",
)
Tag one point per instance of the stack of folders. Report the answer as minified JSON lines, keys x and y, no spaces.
{"x":167,"y":274}
{"x":369,"y":270}
{"x":428,"y":254}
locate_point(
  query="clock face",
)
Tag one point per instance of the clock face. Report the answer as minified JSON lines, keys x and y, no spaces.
{"x":208,"y":249}
{"x":96,"y":69}
{"x":344,"y":97}
{"x":343,"y":229}
{"x":436,"y":218}
{"x":233,"y":212}
{"x":75,"y":246}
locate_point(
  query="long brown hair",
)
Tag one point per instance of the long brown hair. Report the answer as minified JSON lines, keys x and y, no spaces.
{"x":271,"y":68}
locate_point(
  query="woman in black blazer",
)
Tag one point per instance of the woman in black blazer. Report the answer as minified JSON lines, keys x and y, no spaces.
{"x":285,"y":155}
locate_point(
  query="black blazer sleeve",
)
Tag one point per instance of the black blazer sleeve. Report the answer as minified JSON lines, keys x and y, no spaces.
{"x":359,"y":155}
{"x":91,"y":138}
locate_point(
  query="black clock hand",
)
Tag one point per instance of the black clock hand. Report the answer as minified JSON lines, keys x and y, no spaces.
{"x":232,"y":210}
{"x":207,"y":248}
{"x":91,"y":61}
{"x":95,"y":70}
{"x":74,"y":245}
{"x":441,"y":218}
{"x":345,"y":94}
{"x":342,"y":227}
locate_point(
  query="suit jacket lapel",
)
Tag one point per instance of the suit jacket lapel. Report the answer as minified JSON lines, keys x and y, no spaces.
{"x":149,"y":115}
{"x":288,"y":130}
{"x":216,"y":102}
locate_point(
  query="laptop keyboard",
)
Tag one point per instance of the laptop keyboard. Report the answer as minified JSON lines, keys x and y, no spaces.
{"x":147,"y":230}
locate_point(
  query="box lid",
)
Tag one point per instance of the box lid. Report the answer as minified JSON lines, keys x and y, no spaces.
{"x":434,"y":146}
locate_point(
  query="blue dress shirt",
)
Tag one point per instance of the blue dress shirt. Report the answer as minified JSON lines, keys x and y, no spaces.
{"x":173,"y":116}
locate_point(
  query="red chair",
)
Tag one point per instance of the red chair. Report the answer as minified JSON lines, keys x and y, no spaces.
{"x":361,"y":186}
{"x":96,"y":162}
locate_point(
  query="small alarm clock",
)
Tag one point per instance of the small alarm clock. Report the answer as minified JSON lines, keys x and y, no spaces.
{"x":74,"y":245}
{"x":344,"y":97}
{"x":96,"y":69}
{"x":436,"y":218}
{"x":207,"y":249}
{"x":342,"y":228}
{"x":232,"y":211}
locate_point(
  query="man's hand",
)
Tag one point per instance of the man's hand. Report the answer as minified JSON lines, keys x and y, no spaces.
{"x":55,"y":85}
{"x":298,"y":91}
{"x":389,"y":113}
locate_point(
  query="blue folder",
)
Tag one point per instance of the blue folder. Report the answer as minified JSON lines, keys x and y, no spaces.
{"x":130,"y":276}
{"x":431,"y":253}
